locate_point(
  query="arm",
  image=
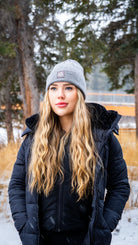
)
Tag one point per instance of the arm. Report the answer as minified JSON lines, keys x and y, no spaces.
{"x":118,"y":188}
{"x":16,"y":190}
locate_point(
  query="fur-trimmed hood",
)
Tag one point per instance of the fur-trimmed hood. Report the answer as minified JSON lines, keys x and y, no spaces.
{"x":101,"y":119}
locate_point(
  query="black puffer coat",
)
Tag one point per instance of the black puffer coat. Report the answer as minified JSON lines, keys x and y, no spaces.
{"x":106,"y":211}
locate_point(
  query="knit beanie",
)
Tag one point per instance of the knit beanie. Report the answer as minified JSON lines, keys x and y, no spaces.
{"x":68,"y":71}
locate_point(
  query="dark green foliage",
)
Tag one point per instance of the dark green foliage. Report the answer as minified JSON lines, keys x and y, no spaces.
{"x":121,"y":38}
{"x":83,"y":43}
{"x":107,"y":32}
{"x":7,"y":49}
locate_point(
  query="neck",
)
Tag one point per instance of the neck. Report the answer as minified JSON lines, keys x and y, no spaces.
{"x":66,"y":122}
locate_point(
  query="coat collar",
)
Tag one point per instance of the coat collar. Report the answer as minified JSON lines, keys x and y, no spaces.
{"x":101,"y":119}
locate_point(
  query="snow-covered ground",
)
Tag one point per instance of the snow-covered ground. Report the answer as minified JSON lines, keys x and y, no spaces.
{"x":127,"y":229}
{"x":17,"y":132}
{"x":8,"y":234}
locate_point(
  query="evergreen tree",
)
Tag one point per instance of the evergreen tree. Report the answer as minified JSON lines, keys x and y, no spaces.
{"x":83,"y":42}
{"x":8,"y":95}
{"x":121,"y":51}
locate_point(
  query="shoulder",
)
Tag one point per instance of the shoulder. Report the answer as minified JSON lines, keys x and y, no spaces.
{"x":115,"y":149}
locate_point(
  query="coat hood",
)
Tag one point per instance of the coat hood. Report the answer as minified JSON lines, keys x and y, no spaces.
{"x":101,"y":119}
{"x":31,"y":123}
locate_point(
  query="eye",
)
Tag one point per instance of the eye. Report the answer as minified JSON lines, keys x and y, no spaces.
{"x":69,"y":88}
{"x":53,"y":88}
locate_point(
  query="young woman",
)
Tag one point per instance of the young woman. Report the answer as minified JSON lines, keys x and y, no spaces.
{"x":67,"y":160}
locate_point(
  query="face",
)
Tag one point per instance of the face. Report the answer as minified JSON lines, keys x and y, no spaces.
{"x":63,"y":97}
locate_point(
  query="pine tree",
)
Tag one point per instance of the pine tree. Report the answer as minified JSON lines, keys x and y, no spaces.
{"x":121,"y":51}
{"x":83,"y":42}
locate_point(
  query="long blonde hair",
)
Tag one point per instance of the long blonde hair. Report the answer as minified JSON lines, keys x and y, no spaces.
{"x":48,"y":150}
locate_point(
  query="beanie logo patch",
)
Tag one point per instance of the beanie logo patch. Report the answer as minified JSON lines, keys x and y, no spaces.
{"x":60,"y":74}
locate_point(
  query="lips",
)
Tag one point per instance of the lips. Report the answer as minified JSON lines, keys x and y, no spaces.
{"x":61,"y":104}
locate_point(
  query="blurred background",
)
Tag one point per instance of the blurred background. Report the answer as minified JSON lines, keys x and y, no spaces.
{"x":103,"y":37}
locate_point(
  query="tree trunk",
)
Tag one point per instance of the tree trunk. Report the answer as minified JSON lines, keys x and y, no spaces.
{"x":28,"y":83}
{"x":8,"y":113}
{"x":136,"y":93}
{"x":21,"y":82}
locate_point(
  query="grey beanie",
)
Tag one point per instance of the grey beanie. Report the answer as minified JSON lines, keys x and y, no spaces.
{"x":68,"y":71}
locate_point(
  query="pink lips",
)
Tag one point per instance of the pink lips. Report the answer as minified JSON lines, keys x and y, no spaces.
{"x":61,"y":104}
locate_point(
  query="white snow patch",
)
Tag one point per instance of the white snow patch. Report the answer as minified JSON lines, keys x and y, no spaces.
{"x":8,"y":234}
{"x":127,"y":229}
{"x":17,"y":132}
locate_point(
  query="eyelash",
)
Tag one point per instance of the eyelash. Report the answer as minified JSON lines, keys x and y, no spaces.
{"x":53,"y":88}
{"x":69,"y":88}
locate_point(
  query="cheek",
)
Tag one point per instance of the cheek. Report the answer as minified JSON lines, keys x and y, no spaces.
{"x":74,"y":100}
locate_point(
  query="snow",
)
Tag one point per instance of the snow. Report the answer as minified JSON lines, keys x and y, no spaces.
{"x":8,"y":234}
{"x":127,"y":229}
{"x":17,"y":132}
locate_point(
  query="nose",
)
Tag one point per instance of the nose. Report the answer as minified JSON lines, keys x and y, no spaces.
{"x":61,"y":94}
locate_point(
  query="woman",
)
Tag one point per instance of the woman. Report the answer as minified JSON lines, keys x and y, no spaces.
{"x":67,"y":160}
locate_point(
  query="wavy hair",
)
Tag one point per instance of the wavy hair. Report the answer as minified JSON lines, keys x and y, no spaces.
{"x":48,"y":150}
